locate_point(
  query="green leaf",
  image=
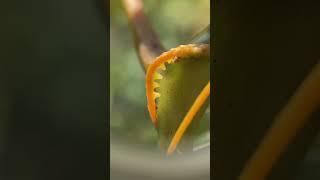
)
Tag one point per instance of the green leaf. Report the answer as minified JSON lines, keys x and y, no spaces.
{"x":182,"y":82}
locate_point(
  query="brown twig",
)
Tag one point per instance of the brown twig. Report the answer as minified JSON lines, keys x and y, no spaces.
{"x":147,"y":42}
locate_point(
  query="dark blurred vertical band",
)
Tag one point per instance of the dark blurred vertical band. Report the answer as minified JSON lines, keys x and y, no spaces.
{"x":263,"y":51}
{"x":53,"y":90}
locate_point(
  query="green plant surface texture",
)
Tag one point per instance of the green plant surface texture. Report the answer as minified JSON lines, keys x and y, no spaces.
{"x":182,"y":82}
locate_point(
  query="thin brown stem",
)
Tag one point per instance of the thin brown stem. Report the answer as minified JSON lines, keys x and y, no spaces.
{"x":147,"y":42}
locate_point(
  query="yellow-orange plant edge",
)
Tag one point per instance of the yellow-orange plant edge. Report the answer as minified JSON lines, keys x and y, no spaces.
{"x":169,"y":57}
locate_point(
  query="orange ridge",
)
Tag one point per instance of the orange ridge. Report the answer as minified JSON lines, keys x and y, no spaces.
{"x":180,"y":51}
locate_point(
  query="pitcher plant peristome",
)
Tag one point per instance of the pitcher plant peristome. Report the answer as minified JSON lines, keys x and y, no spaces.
{"x":182,"y":64}
{"x":180,"y":94}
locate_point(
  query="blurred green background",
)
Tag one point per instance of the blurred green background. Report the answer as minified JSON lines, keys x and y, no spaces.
{"x":175,"y":22}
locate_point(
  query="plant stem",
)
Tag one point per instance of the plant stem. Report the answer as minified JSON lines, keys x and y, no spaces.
{"x":147,"y":43}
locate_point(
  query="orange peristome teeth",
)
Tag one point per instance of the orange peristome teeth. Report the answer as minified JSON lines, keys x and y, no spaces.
{"x":153,"y":76}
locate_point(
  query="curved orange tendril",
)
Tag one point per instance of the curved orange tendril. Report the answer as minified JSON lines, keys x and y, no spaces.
{"x":188,"y":118}
{"x":181,"y":51}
